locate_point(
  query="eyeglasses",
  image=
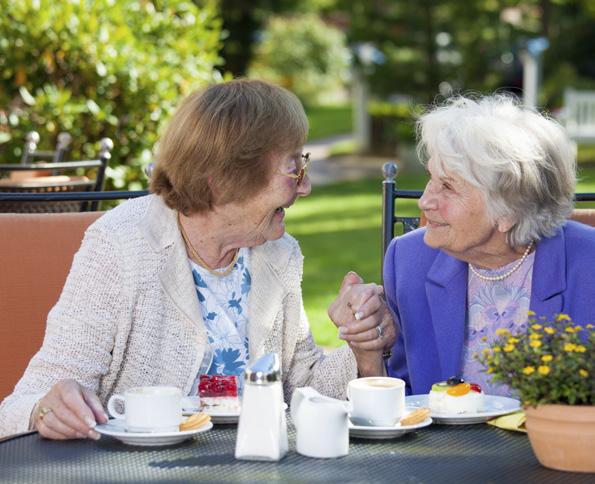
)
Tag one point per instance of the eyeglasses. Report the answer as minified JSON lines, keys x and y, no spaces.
{"x":301,"y":172}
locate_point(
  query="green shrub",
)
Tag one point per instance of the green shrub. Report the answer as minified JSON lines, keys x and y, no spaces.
{"x":391,"y":124}
{"x":304,"y":55}
{"x":100,"y":68}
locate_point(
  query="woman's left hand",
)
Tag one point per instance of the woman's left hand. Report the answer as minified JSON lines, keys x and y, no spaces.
{"x":363,"y":319}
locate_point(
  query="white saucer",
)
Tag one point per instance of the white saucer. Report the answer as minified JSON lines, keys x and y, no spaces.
{"x":115,"y":428}
{"x":493,"y":406}
{"x":398,"y":430}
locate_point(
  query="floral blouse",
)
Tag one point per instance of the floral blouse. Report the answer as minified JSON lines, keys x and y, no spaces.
{"x":492,"y":305}
{"x":224,"y":306}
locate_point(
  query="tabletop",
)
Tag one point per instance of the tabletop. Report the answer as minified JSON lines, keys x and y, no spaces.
{"x":439,"y":453}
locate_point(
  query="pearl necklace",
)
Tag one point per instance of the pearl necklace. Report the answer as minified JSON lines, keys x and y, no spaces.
{"x":501,"y":277}
{"x":199,"y":259}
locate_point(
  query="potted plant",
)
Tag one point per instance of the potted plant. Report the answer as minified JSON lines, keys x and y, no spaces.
{"x":550,"y":366}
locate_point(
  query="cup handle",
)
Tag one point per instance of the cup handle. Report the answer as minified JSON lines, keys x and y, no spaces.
{"x":111,"y":406}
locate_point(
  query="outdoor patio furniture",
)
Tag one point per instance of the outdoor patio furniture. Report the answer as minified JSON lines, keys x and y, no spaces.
{"x":578,"y":115}
{"x":36,"y":252}
{"x":51,"y":177}
{"x":438,"y":453}
{"x":390,"y":194}
{"x":31,"y":154}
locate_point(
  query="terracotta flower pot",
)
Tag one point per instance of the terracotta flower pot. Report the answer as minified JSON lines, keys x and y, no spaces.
{"x":563,"y":436}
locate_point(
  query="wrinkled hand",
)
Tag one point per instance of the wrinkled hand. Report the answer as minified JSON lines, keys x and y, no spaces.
{"x":68,"y":411}
{"x":357,"y":311}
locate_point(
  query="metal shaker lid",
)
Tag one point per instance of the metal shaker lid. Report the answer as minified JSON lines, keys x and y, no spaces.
{"x":264,"y":371}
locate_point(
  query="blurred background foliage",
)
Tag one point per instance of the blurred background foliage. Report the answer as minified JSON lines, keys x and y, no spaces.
{"x":100,"y":68}
{"x":117,"y":68}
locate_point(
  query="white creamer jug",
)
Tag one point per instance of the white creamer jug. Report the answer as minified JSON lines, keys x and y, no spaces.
{"x":322,"y":424}
{"x":262,"y":429}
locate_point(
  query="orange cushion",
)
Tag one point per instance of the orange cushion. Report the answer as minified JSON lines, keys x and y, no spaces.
{"x":584,"y":215}
{"x":36,"y":252}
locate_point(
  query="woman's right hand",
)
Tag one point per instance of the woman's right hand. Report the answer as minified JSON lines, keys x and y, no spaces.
{"x":68,"y":411}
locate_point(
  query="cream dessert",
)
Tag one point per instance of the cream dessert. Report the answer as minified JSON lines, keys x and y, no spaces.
{"x":455,"y":396}
{"x":219,"y":393}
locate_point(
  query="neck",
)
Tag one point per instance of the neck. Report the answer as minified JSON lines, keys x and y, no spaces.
{"x":498,"y":258}
{"x":211,"y":238}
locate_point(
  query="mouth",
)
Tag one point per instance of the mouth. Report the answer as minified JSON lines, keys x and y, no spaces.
{"x":434,"y":224}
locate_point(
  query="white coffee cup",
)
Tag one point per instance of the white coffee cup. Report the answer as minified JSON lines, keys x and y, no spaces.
{"x":149,"y":409}
{"x":376,"y":401}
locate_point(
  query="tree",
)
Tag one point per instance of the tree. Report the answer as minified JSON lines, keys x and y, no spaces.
{"x":101,"y":68}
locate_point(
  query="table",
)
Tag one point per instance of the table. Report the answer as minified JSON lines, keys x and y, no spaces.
{"x":439,"y":453}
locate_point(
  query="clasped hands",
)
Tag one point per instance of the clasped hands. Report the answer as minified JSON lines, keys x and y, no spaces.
{"x":362,"y":317}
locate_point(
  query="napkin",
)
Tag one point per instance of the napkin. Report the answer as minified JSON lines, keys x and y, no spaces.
{"x":512,"y":421}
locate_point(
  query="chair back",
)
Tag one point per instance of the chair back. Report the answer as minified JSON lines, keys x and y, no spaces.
{"x":32,"y":154}
{"x":36,"y":252}
{"x":31,"y":178}
{"x":390,"y":217}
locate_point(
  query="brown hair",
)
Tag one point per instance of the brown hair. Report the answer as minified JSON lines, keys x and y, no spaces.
{"x":220,"y":142}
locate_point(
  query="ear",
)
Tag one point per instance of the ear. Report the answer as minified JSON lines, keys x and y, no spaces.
{"x":504,"y":224}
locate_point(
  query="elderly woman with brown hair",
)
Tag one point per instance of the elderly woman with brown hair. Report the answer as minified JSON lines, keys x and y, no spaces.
{"x":199,"y":277}
{"x":497,"y":241}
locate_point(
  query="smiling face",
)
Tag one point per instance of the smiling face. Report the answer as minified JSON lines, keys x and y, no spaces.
{"x":262,"y":217}
{"x":457,"y":220}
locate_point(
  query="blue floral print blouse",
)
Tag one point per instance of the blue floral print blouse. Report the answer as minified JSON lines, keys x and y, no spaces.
{"x":224,"y":306}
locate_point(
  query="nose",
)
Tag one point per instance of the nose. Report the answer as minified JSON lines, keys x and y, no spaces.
{"x":427,"y":201}
{"x":304,"y":187}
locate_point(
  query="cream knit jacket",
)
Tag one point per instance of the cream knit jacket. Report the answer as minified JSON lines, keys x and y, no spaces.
{"x":128,"y":315}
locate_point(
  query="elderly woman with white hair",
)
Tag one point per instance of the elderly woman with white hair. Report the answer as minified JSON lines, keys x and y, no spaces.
{"x":497,"y":243}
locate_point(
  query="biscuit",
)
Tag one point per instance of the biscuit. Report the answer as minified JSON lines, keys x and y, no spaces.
{"x":415,"y":417}
{"x":195,"y":421}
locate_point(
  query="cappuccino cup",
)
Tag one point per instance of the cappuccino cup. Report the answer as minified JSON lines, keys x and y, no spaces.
{"x":149,"y":409}
{"x":376,"y":401}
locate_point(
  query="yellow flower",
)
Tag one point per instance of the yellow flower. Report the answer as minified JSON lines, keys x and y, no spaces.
{"x":496,"y":349}
{"x":580,"y":349}
{"x":550,"y":330}
{"x":512,"y":341}
{"x":485,"y":351}
{"x":531,"y":313}
{"x":502,"y":332}
{"x":535,"y":344}
{"x":484,"y":338}
{"x":569,"y":329}
{"x":543,"y":370}
{"x":528,"y":370}
{"x":536,"y":327}
{"x":490,"y":370}
{"x":509,"y":348}
{"x":590,"y":326}
{"x":562,"y":317}
{"x":534,"y":336}
{"x":569,"y":347}
{"x":578,"y":327}
{"x":547,"y":358}
{"x":583,"y":373}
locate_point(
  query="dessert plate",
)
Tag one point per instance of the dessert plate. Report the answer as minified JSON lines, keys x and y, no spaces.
{"x":115,"y":428}
{"x":398,"y":430}
{"x":191,"y":405}
{"x":493,"y":406}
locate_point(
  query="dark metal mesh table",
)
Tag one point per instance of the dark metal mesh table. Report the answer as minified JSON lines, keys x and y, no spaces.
{"x":475,"y":453}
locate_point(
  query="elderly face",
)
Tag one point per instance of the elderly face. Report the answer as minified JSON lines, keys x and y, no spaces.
{"x":457,"y":221}
{"x":262,"y":218}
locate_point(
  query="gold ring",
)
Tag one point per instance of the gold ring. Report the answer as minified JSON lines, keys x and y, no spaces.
{"x":43,"y":411}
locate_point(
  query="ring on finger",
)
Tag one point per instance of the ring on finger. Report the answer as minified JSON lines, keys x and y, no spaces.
{"x":43,"y":411}
{"x":379,"y":331}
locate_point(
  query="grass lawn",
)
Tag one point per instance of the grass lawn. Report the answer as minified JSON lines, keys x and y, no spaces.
{"x":338,"y":227}
{"x":328,"y":121}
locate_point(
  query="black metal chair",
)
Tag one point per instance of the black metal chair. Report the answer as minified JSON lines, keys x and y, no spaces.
{"x":32,"y":154}
{"x":389,"y":216}
{"x":54,"y":183}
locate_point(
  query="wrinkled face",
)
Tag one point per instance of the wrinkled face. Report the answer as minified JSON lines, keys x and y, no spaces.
{"x":263,"y":217}
{"x":457,"y":221}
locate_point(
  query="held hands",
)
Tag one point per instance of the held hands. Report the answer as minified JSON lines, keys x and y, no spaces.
{"x":68,"y":411}
{"x":360,"y":313}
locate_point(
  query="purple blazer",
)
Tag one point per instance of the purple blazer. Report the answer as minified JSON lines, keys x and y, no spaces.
{"x":426,"y":290}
